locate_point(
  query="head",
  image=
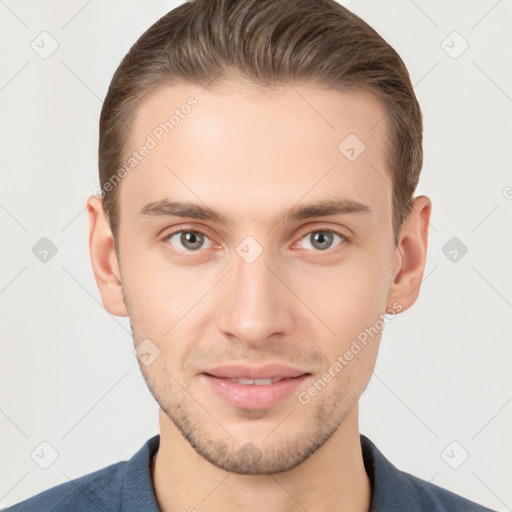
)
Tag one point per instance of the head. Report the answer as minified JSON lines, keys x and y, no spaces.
{"x":266,"y":118}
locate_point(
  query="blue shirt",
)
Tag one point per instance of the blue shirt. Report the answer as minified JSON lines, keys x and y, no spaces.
{"x":126,"y":486}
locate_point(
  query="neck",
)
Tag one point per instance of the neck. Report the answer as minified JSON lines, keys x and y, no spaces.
{"x":332,"y":479}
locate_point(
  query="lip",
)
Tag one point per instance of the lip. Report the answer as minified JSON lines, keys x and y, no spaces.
{"x":253,"y":396}
{"x":268,"y":371}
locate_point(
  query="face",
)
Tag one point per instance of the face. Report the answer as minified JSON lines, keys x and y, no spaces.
{"x":263,"y":280}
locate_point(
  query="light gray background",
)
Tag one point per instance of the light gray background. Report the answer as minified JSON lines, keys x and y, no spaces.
{"x":68,"y":374}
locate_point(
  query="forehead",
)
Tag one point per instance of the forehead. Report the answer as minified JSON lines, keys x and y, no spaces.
{"x":239,"y":147}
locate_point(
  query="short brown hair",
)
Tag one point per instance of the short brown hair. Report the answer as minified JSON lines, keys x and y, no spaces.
{"x":267,"y":43}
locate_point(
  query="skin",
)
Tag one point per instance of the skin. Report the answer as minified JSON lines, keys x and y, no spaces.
{"x":253,"y":154}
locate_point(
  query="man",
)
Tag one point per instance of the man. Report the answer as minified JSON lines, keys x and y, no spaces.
{"x":258,"y":160}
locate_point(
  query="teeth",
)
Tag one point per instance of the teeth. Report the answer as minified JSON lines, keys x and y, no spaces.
{"x":257,"y":382}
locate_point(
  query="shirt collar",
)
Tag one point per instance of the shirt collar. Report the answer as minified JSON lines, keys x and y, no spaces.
{"x":391,"y":488}
{"x":138,"y":494}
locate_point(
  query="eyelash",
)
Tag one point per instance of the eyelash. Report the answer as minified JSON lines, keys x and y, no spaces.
{"x":165,"y":238}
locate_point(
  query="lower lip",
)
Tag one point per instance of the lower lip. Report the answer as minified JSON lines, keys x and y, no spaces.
{"x":252,"y":396}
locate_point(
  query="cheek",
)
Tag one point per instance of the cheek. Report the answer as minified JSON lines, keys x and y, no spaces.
{"x":148,"y":293}
{"x":348,"y":298}
{"x":151,"y":281}
{"x":355,"y":290}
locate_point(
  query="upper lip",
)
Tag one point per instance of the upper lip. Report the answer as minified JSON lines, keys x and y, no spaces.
{"x":269,"y":371}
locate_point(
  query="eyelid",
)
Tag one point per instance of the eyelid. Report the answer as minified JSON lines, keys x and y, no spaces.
{"x":323,"y":227}
{"x":186,"y":227}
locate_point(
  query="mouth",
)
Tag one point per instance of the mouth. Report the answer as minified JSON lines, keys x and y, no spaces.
{"x":255,"y":382}
{"x":254,"y":391}
{"x":268,"y":371}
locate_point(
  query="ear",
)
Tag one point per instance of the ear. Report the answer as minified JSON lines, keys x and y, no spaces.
{"x":104,"y":259}
{"x":410,"y":255}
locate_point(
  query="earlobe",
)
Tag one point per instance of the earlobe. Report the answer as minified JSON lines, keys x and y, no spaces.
{"x":104,"y":259}
{"x":411,"y":255}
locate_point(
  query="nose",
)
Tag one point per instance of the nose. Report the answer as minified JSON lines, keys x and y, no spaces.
{"x":256,"y":304}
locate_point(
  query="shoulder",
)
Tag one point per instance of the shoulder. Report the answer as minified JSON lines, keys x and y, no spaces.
{"x":423,"y":495}
{"x":397,"y":491}
{"x":99,"y":490}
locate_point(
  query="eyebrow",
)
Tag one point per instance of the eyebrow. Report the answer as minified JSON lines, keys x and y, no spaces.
{"x":166,"y":208}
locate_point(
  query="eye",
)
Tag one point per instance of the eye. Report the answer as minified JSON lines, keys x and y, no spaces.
{"x":322,"y":239}
{"x":190,"y":240}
